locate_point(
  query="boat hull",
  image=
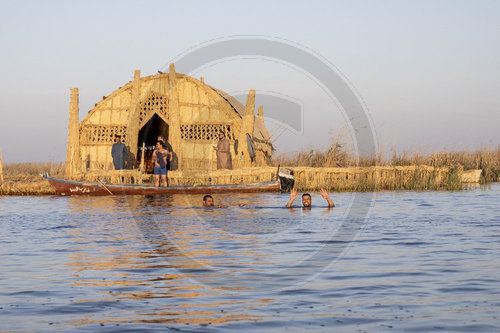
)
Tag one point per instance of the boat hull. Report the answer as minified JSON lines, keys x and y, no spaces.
{"x":68,"y":187}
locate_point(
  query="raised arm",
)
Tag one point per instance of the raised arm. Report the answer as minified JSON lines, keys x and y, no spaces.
{"x":293,"y":196}
{"x":325,"y":195}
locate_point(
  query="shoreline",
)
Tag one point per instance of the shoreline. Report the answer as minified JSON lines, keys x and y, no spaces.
{"x":350,"y":179}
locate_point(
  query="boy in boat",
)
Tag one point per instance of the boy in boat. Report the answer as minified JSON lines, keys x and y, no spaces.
{"x":160,"y":164}
{"x":306,"y":199}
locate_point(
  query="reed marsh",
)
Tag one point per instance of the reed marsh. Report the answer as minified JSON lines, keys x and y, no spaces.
{"x":334,"y":169}
{"x":439,"y":170}
{"x":24,"y":178}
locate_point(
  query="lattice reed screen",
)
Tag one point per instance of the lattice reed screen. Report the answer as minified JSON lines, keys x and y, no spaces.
{"x":153,"y":104}
{"x":101,"y":134}
{"x":204,"y":132}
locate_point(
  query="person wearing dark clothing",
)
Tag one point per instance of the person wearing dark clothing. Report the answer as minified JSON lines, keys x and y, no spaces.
{"x":119,"y":153}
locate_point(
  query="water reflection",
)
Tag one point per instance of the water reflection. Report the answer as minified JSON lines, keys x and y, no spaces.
{"x":112,"y":258}
{"x":155,"y":248}
{"x":239,"y":248}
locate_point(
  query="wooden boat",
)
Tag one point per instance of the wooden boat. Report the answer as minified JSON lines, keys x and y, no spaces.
{"x":70,"y":187}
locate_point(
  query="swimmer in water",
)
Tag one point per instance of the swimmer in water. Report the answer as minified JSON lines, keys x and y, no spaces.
{"x":208,"y":201}
{"x":306,"y":199}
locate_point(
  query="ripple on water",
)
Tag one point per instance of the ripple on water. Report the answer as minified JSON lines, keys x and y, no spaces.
{"x":423,"y":261}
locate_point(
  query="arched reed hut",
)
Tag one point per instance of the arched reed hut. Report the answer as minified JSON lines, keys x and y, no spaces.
{"x":186,"y":111}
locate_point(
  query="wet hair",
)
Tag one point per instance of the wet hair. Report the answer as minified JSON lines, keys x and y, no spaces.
{"x":206,"y":197}
{"x":306,"y":195}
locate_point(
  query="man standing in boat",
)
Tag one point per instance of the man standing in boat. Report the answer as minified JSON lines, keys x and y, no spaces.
{"x":306,"y":199}
{"x":119,"y":153}
{"x":224,"y":159}
{"x":160,"y":164}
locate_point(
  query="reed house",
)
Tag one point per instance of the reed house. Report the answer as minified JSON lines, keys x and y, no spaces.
{"x":186,"y":111}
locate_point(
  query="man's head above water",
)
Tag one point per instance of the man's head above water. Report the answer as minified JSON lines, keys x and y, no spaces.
{"x":208,"y":201}
{"x":306,"y":200}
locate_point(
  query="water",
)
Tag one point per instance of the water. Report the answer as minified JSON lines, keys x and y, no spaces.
{"x":422,"y":261}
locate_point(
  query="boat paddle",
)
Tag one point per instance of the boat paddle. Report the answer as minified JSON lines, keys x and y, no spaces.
{"x":100,"y":182}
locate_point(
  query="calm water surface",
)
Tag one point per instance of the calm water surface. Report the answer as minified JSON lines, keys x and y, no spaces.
{"x":422,"y":261}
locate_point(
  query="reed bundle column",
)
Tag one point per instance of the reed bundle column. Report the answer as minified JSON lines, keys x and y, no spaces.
{"x":73,"y":161}
{"x":133,"y":119}
{"x":260,"y":117}
{"x":246,"y":128}
{"x":263,"y":158}
{"x":174,"y":130}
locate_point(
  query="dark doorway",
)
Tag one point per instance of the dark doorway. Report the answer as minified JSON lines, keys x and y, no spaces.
{"x":149,"y":134}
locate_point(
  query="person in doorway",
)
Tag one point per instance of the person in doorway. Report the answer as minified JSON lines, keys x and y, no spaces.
{"x":306,"y":199}
{"x":167,"y":147}
{"x":119,"y":153}
{"x":160,"y":164}
{"x":224,"y":159}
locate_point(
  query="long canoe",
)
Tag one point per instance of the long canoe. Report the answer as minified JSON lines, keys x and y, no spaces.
{"x":70,"y":187}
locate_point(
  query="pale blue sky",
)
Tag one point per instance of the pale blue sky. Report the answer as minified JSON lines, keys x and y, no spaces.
{"x":428,"y":71}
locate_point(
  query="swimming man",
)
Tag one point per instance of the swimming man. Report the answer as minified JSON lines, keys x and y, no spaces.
{"x":208,"y":201}
{"x":306,"y":199}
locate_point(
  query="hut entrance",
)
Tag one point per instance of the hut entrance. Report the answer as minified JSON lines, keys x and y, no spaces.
{"x":149,"y":134}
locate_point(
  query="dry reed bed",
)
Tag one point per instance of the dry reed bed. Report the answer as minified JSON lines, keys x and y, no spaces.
{"x":333,"y":169}
{"x":487,"y":160}
{"x":307,"y":178}
{"x":377,"y":178}
{"x":334,"y":179}
{"x":24,"y":178}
